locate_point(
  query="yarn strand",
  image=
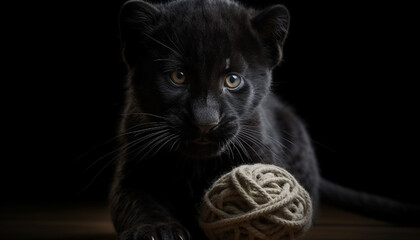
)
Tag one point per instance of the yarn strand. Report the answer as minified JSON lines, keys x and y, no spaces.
{"x":260,"y":202}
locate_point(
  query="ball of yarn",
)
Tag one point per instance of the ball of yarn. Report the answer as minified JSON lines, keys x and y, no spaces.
{"x":259,"y":202}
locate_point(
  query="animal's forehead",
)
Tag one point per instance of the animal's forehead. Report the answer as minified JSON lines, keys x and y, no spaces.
{"x":205,"y":17}
{"x":208,"y":34}
{"x":208,"y":38}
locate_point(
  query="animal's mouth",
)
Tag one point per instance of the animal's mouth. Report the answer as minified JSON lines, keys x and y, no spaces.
{"x":204,"y":145}
{"x":201,"y":148}
{"x":202,"y":141}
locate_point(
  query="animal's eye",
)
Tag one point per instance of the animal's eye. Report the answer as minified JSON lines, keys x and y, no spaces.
{"x":233,"y":81}
{"x":178,"y":76}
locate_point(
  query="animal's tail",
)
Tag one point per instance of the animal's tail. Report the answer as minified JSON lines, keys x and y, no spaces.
{"x":370,"y":205}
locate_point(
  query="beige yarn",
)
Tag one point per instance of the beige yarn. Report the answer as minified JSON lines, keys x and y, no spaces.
{"x":256,"y":202}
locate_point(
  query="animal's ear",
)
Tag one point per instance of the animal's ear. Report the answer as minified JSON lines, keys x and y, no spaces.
{"x":137,"y":18}
{"x":272,"y":24}
{"x":137,"y":15}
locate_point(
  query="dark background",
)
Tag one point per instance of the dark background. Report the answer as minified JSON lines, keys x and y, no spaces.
{"x":350,"y":70}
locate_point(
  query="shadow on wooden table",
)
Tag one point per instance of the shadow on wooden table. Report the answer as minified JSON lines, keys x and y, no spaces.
{"x":91,"y":221}
{"x":72,"y":221}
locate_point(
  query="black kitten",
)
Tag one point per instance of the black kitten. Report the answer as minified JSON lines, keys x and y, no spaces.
{"x":198,"y":103}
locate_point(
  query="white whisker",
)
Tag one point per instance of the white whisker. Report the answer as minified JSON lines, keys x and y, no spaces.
{"x":153,"y":143}
{"x":164,"y":45}
{"x":144,"y":114}
{"x":241,"y":146}
{"x":237,"y":149}
{"x":169,"y":138}
{"x":244,"y":141}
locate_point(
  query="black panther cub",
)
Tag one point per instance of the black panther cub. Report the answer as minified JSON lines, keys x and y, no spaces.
{"x":198,"y":103}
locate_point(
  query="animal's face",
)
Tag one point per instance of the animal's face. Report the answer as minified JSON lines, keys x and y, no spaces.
{"x":198,"y":72}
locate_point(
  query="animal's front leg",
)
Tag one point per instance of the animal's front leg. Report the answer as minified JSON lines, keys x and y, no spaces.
{"x":157,"y":231}
{"x":137,"y":216}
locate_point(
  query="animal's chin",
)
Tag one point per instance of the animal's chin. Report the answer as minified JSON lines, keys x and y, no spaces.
{"x":201,"y":150}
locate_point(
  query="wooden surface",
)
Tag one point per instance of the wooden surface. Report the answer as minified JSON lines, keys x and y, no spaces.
{"x":336,"y":224}
{"x":91,"y":221}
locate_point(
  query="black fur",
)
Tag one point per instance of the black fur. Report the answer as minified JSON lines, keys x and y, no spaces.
{"x":178,"y":138}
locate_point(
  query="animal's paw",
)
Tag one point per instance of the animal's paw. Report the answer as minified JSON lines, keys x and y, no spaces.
{"x":162,"y":231}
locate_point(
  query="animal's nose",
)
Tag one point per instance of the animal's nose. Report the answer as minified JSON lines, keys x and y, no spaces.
{"x":205,"y":128}
{"x":205,"y":113}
